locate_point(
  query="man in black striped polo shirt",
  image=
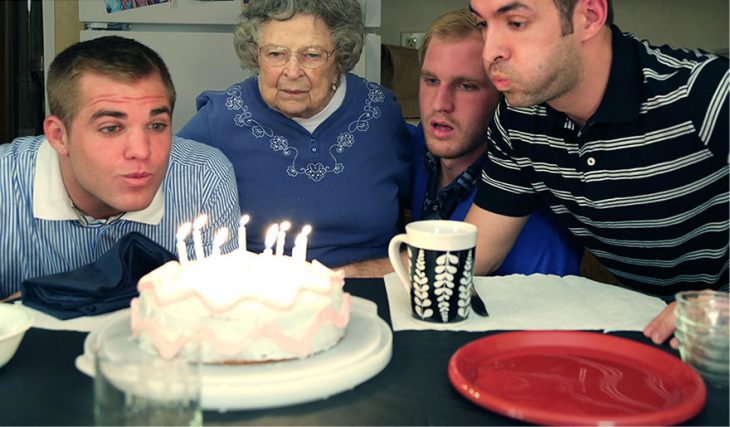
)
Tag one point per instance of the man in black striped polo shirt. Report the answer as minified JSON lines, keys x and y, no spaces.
{"x":625,"y":142}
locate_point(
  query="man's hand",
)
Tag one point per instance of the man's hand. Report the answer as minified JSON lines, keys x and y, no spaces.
{"x":11,"y":297}
{"x":662,"y":327}
{"x":370,"y":268}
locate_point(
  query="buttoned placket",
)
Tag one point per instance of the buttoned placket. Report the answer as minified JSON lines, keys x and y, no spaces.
{"x":313,"y":145}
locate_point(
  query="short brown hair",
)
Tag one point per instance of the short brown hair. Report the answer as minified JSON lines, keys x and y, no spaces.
{"x":452,"y":26}
{"x":112,"y":56}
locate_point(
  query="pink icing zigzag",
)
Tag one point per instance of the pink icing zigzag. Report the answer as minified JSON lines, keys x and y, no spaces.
{"x":220,"y":309}
{"x":301,"y":347}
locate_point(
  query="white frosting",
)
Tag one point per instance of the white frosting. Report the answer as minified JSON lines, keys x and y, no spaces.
{"x":242,"y":307}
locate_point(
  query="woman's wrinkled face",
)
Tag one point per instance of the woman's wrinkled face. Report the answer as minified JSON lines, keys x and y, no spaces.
{"x":292,"y":88}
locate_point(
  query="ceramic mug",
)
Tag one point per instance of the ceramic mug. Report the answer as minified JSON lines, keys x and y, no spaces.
{"x":440,"y":268}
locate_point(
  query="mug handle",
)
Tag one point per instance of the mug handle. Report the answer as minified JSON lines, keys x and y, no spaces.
{"x":396,"y":261}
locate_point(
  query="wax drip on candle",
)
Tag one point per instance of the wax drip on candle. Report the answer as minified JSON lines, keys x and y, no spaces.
{"x":198,"y":224}
{"x":300,"y":244}
{"x":242,"y":232}
{"x":182,"y":249}
{"x":281,"y":237}
{"x":218,"y":240}
{"x":270,"y":240}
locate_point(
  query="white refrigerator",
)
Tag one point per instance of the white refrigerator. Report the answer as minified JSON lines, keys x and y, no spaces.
{"x":194,"y":38}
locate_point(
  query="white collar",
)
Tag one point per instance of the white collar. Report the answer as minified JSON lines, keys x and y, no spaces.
{"x":51,"y":201}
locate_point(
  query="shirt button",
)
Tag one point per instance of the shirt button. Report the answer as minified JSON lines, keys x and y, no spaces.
{"x":435,"y":208}
{"x":312,"y":140}
{"x":314,"y":149}
{"x":591,"y":161}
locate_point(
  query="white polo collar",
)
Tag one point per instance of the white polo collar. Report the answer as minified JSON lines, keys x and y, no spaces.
{"x":51,"y":201}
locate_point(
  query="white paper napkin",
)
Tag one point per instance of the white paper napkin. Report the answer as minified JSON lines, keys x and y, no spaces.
{"x":42,"y":320}
{"x":538,"y":302}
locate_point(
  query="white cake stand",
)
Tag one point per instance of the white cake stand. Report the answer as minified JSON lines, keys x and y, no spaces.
{"x":363,"y":352}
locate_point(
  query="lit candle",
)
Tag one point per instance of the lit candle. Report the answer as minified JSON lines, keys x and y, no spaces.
{"x":300,"y":244}
{"x":242,"y":232}
{"x":218,"y":240}
{"x":182,"y":234}
{"x":198,"y":224}
{"x":271,"y":239}
{"x":281,"y":238}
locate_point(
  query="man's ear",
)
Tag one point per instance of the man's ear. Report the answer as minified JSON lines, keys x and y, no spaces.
{"x":56,"y":134}
{"x":590,"y":17}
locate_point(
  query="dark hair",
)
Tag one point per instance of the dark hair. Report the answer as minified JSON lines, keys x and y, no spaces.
{"x":111,"y":56}
{"x":342,"y":17}
{"x":566,"y":8}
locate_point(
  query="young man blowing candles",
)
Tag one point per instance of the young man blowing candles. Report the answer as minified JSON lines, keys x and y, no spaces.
{"x":107,"y":165}
{"x":625,"y":142}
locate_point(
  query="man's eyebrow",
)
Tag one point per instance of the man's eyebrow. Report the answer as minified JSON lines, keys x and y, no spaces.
{"x":504,"y":9}
{"x":512,"y":6}
{"x":161,"y":110}
{"x":107,"y":113}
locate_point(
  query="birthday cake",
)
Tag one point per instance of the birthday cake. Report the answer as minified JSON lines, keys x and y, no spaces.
{"x":241,"y":307}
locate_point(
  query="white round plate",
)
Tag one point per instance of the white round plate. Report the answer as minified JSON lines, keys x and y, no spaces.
{"x":361,"y":354}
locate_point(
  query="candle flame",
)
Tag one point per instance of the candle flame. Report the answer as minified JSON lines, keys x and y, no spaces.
{"x":184,"y":231}
{"x":284,"y":226}
{"x":306,"y":230}
{"x":200,"y":222}
{"x":220,"y":236}
{"x":271,"y":235}
{"x":244,"y":220}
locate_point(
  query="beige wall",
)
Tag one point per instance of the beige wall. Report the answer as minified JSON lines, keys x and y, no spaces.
{"x":412,"y":16}
{"x":66,"y":22}
{"x":682,"y":23}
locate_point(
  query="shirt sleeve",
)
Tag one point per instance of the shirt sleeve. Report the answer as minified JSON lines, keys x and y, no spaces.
{"x":221,"y":201}
{"x":504,"y":187}
{"x":11,"y":264}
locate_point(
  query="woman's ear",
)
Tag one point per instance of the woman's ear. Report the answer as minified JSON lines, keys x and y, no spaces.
{"x":56,"y":134}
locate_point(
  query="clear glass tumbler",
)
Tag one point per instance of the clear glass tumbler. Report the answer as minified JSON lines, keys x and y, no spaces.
{"x":132,"y":387}
{"x":703,"y":331}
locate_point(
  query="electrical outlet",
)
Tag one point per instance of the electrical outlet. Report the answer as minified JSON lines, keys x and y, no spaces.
{"x":411,"y":40}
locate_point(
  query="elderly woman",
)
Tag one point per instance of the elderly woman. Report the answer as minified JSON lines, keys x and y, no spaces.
{"x":310,"y":142}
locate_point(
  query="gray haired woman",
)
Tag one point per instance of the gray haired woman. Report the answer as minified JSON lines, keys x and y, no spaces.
{"x":310,"y":142}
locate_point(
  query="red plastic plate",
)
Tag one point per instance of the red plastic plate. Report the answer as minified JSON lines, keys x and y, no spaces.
{"x":576,"y":378}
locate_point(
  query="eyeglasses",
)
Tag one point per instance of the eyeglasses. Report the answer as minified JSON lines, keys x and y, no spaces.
{"x":309,"y":57}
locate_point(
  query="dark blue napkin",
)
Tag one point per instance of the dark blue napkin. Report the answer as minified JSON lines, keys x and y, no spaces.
{"x":105,"y":285}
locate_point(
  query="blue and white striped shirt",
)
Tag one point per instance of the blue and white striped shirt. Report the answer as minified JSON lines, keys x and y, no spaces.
{"x":644,"y":183}
{"x":199,"y":179}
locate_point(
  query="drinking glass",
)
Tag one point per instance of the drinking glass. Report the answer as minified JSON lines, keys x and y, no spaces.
{"x":133,"y":387}
{"x":703,"y":331}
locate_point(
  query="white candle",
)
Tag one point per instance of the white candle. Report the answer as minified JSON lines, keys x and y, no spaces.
{"x":218,"y":240}
{"x":271,"y":235}
{"x":300,"y":244}
{"x":242,"y":232}
{"x":182,"y":234}
{"x":198,"y":224}
{"x":281,"y":237}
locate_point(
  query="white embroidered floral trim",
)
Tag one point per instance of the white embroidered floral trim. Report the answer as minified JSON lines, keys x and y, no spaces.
{"x":314,"y":171}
